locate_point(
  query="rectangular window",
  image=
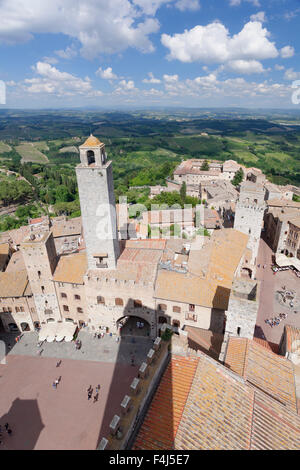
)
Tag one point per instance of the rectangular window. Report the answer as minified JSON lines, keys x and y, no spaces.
{"x":191,"y":316}
{"x":79,"y":310}
{"x":176,"y":309}
{"x":63,"y":295}
{"x":191,"y":307}
{"x":66,"y":308}
{"x":77,"y":297}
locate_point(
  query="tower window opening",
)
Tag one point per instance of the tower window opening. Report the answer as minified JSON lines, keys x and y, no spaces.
{"x":90,"y":157}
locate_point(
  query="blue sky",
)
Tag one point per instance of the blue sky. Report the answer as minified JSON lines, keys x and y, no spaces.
{"x":197,"y":53}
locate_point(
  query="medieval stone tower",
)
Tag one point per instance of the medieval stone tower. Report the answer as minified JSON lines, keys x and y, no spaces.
{"x":97,"y":202}
{"x":40,"y":259}
{"x":249,"y":214}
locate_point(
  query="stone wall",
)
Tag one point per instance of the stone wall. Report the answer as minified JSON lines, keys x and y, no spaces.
{"x":98,"y":212}
{"x":242,"y":312}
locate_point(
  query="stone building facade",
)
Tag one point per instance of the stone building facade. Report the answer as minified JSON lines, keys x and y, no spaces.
{"x":249,"y":216}
{"x":156,"y":280}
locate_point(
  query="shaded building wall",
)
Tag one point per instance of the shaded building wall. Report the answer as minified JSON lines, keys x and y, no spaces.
{"x":40,"y":259}
{"x":107,"y":314}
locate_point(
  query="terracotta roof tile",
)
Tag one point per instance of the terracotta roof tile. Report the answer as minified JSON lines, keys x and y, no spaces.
{"x":13,"y":284}
{"x":216,"y":410}
{"x":261,"y":367}
{"x":160,"y":425}
{"x":71,"y":268}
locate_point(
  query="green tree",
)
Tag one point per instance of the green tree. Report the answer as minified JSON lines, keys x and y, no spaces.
{"x":205,"y":166}
{"x":183,"y":191}
{"x":238,"y":177}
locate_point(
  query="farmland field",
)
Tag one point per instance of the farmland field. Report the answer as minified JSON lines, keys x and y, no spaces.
{"x":30,"y":153}
{"x":4,"y":147}
{"x":71,"y":149}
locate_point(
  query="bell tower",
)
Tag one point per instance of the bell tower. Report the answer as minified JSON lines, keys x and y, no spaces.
{"x":98,"y":208}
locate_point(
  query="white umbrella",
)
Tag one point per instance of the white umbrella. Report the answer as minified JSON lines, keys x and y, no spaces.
{"x":43,"y":333}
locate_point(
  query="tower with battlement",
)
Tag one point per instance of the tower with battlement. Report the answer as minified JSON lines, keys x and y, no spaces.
{"x":97,"y":202}
{"x":249,"y":214}
{"x":40,"y":259}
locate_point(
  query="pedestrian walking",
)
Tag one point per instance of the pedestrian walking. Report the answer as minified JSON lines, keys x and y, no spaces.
{"x":58,"y":363}
{"x":97,"y":388}
{"x":96,"y":397}
{"x":6,"y":425}
{"x":54,"y":385}
{"x":89,"y":395}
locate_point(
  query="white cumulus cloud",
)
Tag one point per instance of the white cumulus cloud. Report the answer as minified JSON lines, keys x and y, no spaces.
{"x":213,"y":44}
{"x":106,"y":74}
{"x":235,"y":3}
{"x":287,"y":52}
{"x":260,"y":16}
{"x":101,"y":27}
{"x":192,"y":5}
{"x":151,"y":79}
{"x":49,"y":79}
{"x":290,"y":74}
{"x":246,"y":66}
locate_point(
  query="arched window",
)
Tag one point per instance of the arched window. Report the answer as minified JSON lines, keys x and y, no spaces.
{"x":25,"y":327}
{"x":90,"y":157}
{"x":100,"y":300}
{"x":119,"y":302}
{"x":13,"y":327}
{"x":162,"y":320}
{"x":137,"y":303}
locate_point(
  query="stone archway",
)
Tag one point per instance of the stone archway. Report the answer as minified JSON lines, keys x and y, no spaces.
{"x":13,"y":327}
{"x":247,"y":273}
{"x":131,"y":325}
{"x":25,"y":326}
{"x":90,"y":157}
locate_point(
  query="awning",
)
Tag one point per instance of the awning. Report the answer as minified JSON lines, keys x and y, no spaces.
{"x":57,"y":331}
{"x":68,"y":330}
{"x":52,"y":331}
{"x":282,"y":260}
{"x":43,"y":333}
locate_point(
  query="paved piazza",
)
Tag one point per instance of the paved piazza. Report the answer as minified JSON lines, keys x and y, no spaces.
{"x":269,"y":306}
{"x":44,"y":418}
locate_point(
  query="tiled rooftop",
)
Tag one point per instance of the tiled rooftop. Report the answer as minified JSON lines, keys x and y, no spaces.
{"x":13,"y":284}
{"x":64,"y":228}
{"x":261,"y":367}
{"x":218,"y":410}
{"x":160,"y":425}
{"x":71,"y":268}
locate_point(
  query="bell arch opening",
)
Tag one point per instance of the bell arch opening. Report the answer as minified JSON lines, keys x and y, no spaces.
{"x":90,"y":157}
